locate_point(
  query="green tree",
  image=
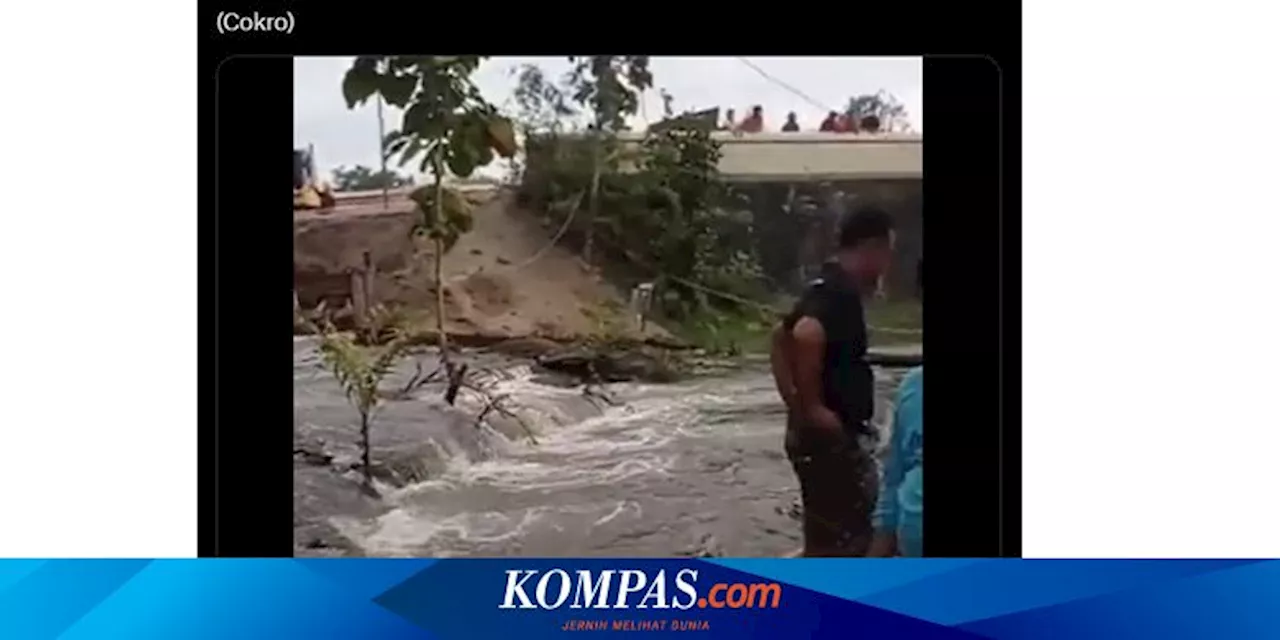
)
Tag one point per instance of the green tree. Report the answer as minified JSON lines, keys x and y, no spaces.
{"x":609,"y":86}
{"x":542,"y":104}
{"x":446,"y":123}
{"x":670,"y":213}
{"x":883,"y":105}
{"x":696,"y":236}
{"x":359,"y":369}
{"x":362,"y":178}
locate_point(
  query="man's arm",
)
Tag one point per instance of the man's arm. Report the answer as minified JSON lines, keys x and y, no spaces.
{"x":781,"y":360}
{"x":809,"y":341}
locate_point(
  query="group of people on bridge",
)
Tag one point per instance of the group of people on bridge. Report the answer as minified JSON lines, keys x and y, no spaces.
{"x":834,"y":123}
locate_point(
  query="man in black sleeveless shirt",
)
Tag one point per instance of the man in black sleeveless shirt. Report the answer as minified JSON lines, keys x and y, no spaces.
{"x":819,"y":364}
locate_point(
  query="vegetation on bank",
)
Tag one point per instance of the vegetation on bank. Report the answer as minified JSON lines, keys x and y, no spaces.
{"x":362,"y":178}
{"x":656,"y":212}
{"x":890,"y":322}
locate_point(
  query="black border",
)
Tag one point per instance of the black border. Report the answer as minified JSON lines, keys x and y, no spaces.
{"x":972,"y":196}
{"x":972,"y":312}
{"x":246,"y":389}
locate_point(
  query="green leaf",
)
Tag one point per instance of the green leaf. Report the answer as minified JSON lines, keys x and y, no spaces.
{"x":413,"y":149}
{"x":416,"y":119}
{"x":462,"y":157}
{"x":394,"y":143}
{"x":422,"y":196}
{"x":360,"y":81}
{"x":459,"y":219}
{"x":501,"y":136}
{"x":398,"y":89}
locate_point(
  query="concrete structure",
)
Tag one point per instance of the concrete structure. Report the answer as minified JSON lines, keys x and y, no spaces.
{"x":818,"y":157}
{"x":798,"y":185}
{"x":397,"y":198}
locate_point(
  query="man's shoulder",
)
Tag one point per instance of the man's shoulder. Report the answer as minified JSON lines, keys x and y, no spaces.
{"x":815,"y":295}
{"x":836,"y":294}
{"x":810,"y":304}
{"x":825,"y":298}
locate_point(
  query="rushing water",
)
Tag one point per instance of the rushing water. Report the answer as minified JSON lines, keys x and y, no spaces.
{"x":690,"y":468}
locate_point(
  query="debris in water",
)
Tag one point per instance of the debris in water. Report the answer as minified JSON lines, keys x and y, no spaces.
{"x":795,"y":511}
{"x":313,"y":454}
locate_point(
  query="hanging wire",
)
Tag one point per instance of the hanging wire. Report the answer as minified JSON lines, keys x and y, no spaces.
{"x":765,"y":74}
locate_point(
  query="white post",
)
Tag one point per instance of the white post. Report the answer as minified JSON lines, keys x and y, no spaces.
{"x":382,"y":153}
{"x":641,"y":300}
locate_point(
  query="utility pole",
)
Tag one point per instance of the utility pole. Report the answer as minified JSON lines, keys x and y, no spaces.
{"x":382,"y":153}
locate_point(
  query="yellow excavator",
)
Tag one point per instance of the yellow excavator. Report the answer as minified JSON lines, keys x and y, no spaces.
{"x":308,"y":192}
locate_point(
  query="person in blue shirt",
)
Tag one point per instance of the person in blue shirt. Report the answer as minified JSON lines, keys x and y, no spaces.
{"x":899,"y":513}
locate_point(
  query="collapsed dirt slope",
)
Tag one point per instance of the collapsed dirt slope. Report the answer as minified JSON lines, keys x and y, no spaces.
{"x":502,"y":277}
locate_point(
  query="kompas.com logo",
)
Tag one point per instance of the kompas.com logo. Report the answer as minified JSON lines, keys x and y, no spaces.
{"x":631,"y":588}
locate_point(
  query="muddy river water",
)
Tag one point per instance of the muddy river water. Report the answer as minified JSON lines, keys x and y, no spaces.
{"x":690,"y":468}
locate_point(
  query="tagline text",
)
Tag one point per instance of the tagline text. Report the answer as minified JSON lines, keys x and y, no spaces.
{"x":636,"y":625}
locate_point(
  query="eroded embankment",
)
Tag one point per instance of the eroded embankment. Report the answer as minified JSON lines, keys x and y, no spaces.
{"x":504,"y":277}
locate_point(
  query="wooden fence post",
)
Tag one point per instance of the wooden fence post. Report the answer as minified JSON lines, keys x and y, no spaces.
{"x":359,"y":301}
{"x":370,"y":271}
{"x":362,"y":294}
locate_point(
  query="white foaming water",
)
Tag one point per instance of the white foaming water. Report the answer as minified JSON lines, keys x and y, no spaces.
{"x":608,"y":448}
{"x":622,"y":443}
{"x":402,"y":531}
{"x":624,"y":507}
{"x":658,"y":469}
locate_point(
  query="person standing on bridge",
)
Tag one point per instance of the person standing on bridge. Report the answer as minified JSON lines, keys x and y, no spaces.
{"x":753,"y":123}
{"x":820,"y":368}
{"x":729,"y":122}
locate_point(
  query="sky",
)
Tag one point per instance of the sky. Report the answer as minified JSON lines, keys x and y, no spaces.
{"x":347,"y":137}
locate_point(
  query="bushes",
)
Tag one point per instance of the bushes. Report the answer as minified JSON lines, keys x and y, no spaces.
{"x":665,"y":210}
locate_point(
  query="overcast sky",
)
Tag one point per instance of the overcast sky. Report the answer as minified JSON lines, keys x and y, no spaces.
{"x":350,"y":137}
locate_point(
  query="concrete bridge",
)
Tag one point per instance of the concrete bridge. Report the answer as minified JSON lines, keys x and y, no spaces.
{"x":787,"y":157}
{"x":817,"y":157}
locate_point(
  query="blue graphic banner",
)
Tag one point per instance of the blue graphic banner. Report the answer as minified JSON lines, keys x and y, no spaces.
{"x":531,"y":599}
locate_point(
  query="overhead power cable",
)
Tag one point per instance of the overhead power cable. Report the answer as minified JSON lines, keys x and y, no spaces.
{"x":766,"y":75}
